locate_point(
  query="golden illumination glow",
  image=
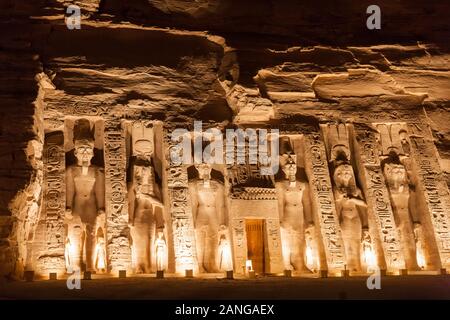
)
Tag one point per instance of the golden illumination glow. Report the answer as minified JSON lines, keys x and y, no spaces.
{"x":369,"y":257}
{"x":309,"y":257}
{"x":249,"y":265}
{"x":420,"y":258}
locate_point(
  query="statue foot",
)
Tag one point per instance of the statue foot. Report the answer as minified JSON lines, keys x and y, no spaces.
{"x":304,"y":270}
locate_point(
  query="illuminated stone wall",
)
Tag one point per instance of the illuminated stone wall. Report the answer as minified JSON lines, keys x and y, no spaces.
{"x":129,"y":70}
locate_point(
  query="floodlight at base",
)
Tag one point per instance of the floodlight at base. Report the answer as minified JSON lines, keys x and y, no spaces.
{"x":87,"y":275}
{"x":288,"y":273}
{"x":229,"y":274}
{"x":160,"y":274}
{"x":28,"y":276}
{"x":443,"y":271}
{"x":323,"y":273}
{"x":53,"y":276}
{"x":403,"y":272}
{"x":383,"y":272}
{"x":122,"y":273}
{"x":189,"y":273}
{"x":345,"y":273}
{"x":252,"y":274}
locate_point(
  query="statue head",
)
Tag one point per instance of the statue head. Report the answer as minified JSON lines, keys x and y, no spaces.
{"x":143,"y":149}
{"x":84,"y":152}
{"x":204,"y":171}
{"x":160,"y":235}
{"x":83,"y":139}
{"x":143,"y":179}
{"x":403,"y":135}
{"x":395,"y":171}
{"x":289,"y":167}
{"x":344,"y":176}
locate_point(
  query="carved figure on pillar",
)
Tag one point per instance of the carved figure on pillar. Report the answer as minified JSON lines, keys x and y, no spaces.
{"x":350,"y":205}
{"x":405,"y":214}
{"x":146,"y":217}
{"x":161,"y":251}
{"x":352,"y":213}
{"x":208,"y":211}
{"x":85,"y":203}
{"x":295,"y":215}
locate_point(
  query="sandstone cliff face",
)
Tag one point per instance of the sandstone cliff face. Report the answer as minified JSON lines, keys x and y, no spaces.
{"x":265,"y":60}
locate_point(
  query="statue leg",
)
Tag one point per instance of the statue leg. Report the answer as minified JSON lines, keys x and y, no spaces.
{"x":74,"y":232}
{"x":409,"y":246}
{"x":200,"y":237}
{"x":351,"y":234}
{"x":286,"y":248}
{"x":298,"y":251}
{"x":90,"y":246}
{"x":141,"y":246}
{"x":211,"y":250}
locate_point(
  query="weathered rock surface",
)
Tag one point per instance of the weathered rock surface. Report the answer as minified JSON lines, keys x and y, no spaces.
{"x":269,"y":59}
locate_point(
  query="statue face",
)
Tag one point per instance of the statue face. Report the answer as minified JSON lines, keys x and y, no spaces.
{"x":143,"y":179}
{"x":84,"y":152}
{"x":204,"y":171}
{"x":395,"y":172}
{"x":343,"y":175}
{"x":290,"y":170}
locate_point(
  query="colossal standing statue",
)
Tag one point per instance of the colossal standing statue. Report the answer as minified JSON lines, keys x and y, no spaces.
{"x":352,"y":213}
{"x":351,"y":209}
{"x":208,"y":210}
{"x":405,"y":215}
{"x":145,"y":206}
{"x":295,"y":215}
{"x":85,"y":203}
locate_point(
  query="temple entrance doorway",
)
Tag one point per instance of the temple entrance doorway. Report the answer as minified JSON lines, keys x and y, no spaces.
{"x":255,"y":244}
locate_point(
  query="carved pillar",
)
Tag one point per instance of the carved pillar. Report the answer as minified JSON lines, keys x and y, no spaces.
{"x":50,"y":235}
{"x":381,"y":217}
{"x":274,"y":244}
{"x":316,"y":166}
{"x":433,"y":189}
{"x":239,"y":244}
{"x":117,"y":230}
{"x":180,"y":213}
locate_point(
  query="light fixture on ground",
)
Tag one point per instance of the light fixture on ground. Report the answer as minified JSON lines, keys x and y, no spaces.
{"x":229,"y":274}
{"x":189,"y":273}
{"x":28,"y":275}
{"x":87,"y":275}
{"x":122,"y":273}
{"x":160,"y":274}
{"x":323,"y":273}
{"x":288,"y":273}
{"x":53,"y":276}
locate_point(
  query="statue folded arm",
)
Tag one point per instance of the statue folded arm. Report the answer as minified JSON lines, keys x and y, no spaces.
{"x":362,"y":210}
{"x":280,"y":196}
{"x":307,"y":208}
{"x":194,"y":201}
{"x":131,"y":203}
{"x":100,"y":189}
{"x":70,"y":190}
{"x":220,"y":205}
{"x":412,"y":205}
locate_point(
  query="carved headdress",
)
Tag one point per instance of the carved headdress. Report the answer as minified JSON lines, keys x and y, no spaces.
{"x":83,"y":133}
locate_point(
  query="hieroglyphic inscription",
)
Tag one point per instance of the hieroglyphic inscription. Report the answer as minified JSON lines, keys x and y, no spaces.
{"x":180,"y":212}
{"x":239,"y":244}
{"x":319,"y":178}
{"x":379,"y":205}
{"x":54,"y":200}
{"x":434,"y":187}
{"x":117,"y":230}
